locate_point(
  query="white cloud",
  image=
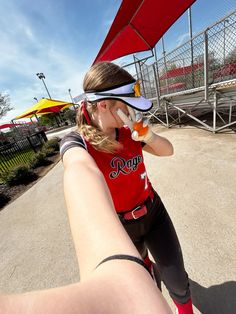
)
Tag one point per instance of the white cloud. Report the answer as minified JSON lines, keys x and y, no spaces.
{"x":23,"y":53}
{"x":182,"y":39}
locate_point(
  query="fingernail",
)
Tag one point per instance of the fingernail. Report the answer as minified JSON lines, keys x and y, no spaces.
{"x":145,"y":123}
{"x":134,"y":135}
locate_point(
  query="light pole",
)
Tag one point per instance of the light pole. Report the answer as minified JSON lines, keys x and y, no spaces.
{"x":41,"y":76}
{"x":72,"y":101}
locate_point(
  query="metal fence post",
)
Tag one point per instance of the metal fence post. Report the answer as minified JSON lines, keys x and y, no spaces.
{"x":214,"y":111}
{"x":142,"y":80}
{"x":165,"y":65}
{"x":167,"y":117}
{"x":191,"y":43}
{"x":135,"y":64}
{"x":44,"y":136}
{"x":206,"y":66}
{"x":156,"y":76}
{"x":31,"y":144}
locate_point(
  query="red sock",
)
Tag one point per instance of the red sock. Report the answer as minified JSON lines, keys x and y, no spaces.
{"x":186,"y":308}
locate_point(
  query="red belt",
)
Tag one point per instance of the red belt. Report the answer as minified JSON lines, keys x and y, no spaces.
{"x":138,"y":211}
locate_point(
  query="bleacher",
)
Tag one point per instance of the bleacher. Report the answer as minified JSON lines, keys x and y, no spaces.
{"x":196,"y":81}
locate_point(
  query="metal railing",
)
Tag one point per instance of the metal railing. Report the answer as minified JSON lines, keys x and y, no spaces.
{"x":20,"y":151}
{"x":184,"y":68}
{"x":201,"y":64}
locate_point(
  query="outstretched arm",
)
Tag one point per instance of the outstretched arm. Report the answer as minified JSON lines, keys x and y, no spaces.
{"x":96,"y":229}
{"x":117,"y":286}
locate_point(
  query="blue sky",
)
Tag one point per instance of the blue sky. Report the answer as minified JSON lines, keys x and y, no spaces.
{"x":61,"y":38}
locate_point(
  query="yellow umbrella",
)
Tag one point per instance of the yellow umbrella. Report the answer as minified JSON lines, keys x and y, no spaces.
{"x":44,"y":106}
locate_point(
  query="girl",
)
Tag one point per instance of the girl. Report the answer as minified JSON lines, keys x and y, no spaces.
{"x":103,"y":136}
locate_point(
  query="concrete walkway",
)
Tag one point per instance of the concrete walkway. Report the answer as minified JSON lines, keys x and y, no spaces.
{"x":198,"y":186}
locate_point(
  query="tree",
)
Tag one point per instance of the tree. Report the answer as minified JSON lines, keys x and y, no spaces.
{"x":231,"y":56}
{"x":70,"y":115}
{"x":49,"y":119}
{"x":5,"y":104}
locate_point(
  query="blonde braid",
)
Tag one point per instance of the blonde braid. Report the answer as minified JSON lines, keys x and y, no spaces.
{"x":97,"y":138}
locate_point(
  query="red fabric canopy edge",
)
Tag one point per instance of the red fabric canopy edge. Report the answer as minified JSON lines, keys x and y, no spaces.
{"x":8,"y":125}
{"x":130,"y":15}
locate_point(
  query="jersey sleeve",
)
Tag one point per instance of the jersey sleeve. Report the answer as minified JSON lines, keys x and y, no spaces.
{"x":72,"y":139}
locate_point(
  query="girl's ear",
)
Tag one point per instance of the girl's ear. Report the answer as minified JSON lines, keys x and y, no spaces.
{"x":102,"y":105}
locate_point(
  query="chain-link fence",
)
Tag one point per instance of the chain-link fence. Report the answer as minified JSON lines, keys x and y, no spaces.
{"x":222,"y":50}
{"x":209,"y":57}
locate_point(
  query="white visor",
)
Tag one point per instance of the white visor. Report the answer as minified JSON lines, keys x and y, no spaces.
{"x":123,"y":93}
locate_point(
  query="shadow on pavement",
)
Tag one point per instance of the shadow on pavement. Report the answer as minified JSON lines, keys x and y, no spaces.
{"x":218,"y":299}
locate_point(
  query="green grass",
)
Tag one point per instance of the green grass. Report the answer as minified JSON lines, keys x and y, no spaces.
{"x":14,"y":159}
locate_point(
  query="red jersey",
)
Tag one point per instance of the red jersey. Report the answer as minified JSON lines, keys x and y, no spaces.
{"x":124,"y":171}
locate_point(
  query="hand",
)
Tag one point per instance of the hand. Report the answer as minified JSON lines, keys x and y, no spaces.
{"x":140,"y":129}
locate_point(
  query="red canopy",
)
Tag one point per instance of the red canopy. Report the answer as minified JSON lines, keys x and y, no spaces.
{"x":139,"y":25}
{"x":53,"y":109}
{"x":8,"y":125}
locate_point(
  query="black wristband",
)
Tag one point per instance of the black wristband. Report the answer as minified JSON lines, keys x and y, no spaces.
{"x":125,"y":257}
